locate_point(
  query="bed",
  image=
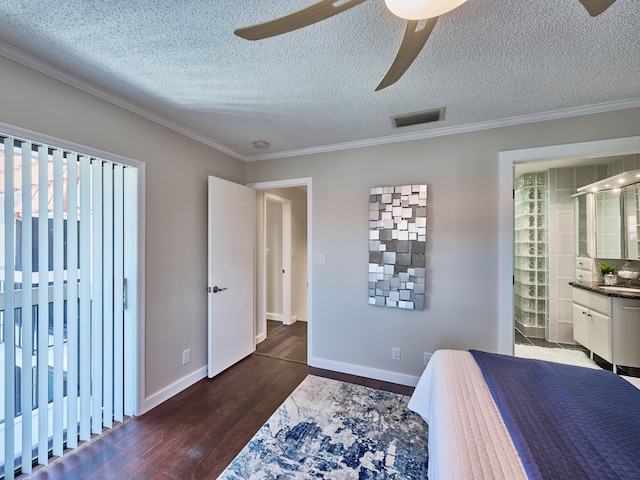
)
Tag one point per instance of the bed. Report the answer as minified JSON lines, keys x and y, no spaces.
{"x":495,"y":416}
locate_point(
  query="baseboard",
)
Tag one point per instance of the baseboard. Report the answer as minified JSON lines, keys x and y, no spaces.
{"x":261,"y":338}
{"x":275,"y":316}
{"x":292,"y":320}
{"x":376,"y":374}
{"x":173,"y":389}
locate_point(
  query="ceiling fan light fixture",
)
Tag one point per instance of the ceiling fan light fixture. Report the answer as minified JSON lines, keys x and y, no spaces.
{"x":421,"y":9}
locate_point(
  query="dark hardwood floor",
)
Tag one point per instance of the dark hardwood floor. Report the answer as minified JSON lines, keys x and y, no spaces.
{"x":285,"y":341}
{"x":197,"y":433}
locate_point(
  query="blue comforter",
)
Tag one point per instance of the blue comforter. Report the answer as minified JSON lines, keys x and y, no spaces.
{"x":566,"y":422}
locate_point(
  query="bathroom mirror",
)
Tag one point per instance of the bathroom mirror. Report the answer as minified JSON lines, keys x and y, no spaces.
{"x":631,"y":211}
{"x":583,"y":240}
{"x":609,"y":232}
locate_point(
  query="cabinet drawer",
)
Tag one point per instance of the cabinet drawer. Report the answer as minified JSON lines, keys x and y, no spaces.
{"x":584,"y":275}
{"x":593,"y":301}
{"x":584,"y":263}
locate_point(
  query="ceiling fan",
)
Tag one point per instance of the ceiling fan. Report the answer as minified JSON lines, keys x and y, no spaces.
{"x":421,"y":16}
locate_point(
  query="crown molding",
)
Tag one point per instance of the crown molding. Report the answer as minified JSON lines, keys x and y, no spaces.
{"x":454,"y":130}
{"x":47,"y":68}
{"x":50,"y":70}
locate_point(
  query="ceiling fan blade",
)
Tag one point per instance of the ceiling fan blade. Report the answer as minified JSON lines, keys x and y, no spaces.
{"x":412,"y":43}
{"x":596,"y":7}
{"x":307,"y":16}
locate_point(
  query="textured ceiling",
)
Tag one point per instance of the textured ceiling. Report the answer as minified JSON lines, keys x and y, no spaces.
{"x":489,"y":62}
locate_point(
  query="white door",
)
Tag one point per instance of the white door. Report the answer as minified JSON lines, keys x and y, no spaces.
{"x":230,"y":274}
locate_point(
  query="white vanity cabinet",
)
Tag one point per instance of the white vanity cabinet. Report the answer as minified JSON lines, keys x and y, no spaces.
{"x":626,"y":332}
{"x":592,"y":322}
{"x":608,"y":326}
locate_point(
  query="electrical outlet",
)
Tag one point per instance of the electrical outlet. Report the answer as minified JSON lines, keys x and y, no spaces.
{"x":395,"y":353}
{"x":186,"y":356}
{"x":427,"y":357}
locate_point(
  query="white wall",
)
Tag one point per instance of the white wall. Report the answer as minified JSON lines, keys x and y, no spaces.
{"x":462,"y":240}
{"x":176,"y":209}
{"x":273,"y":230}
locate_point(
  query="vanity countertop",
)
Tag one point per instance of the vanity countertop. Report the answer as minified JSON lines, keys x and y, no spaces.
{"x":597,"y":288}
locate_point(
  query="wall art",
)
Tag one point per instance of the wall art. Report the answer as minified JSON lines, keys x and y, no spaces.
{"x":397,"y":245}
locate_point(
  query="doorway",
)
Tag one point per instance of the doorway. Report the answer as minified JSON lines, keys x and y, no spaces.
{"x":278,"y":261}
{"x":283,"y":223}
{"x":552,"y":157}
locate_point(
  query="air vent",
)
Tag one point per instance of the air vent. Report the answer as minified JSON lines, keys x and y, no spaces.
{"x":418,"y":118}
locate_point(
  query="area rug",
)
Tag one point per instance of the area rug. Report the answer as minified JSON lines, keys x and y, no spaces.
{"x":329,"y":429}
{"x":558,"y":355}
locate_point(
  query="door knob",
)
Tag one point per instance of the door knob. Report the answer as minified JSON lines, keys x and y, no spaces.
{"x":216,"y":289}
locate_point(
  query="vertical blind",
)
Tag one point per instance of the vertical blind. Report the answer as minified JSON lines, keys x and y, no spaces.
{"x":69,"y":242}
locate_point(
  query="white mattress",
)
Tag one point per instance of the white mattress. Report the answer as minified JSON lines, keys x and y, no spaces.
{"x":467,"y":437}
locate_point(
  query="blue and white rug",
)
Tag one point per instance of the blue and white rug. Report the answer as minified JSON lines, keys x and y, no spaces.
{"x":329,"y":429}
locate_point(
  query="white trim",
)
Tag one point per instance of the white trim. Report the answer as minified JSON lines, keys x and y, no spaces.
{"x":384,"y":375}
{"x":297,"y":182}
{"x":505,"y":257}
{"x":277,"y":317}
{"x":35,"y":137}
{"x":47,"y":68}
{"x":454,"y":130}
{"x":172,"y":390}
{"x":140,"y":370}
{"x":594,"y":149}
{"x":506,"y":162}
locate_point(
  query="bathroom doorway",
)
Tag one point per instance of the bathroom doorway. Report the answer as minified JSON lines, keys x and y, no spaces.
{"x":568,"y":162}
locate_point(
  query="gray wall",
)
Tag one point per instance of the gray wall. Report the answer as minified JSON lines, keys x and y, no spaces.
{"x":347,"y":334}
{"x":176,"y":207}
{"x":462,"y":240}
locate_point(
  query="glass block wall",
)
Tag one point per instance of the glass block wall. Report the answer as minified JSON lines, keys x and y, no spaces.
{"x":531,"y":277}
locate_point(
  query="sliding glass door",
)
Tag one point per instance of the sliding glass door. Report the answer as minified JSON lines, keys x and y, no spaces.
{"x":68,"y":243}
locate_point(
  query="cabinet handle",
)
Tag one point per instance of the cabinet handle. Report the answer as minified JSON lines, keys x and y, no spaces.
{"x":623,"y":307}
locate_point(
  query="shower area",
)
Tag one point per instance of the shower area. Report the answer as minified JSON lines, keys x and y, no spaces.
{"x":531,"y":259}
{"x":545,"y":250}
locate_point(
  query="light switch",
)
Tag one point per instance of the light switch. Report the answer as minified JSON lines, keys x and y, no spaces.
{"x":320,"y":259}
